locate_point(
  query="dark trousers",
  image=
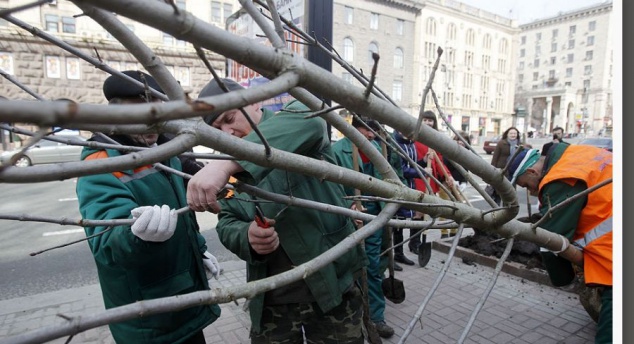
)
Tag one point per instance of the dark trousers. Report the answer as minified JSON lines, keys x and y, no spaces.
{"x":413,"y":243}
{"x":604,"y":327}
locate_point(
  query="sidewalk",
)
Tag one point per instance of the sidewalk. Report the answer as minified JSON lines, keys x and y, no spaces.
{"x":517,"y":310}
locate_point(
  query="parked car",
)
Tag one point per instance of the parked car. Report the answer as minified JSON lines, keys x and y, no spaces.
{"x":46,"y":152}
{"x":489,"y":145}
{"x":601,"y":142}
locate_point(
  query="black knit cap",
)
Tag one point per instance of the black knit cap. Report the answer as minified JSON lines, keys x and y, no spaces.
{"x":117,"y":87}
{"x":213,"y":89}
{"x":357,"y":122}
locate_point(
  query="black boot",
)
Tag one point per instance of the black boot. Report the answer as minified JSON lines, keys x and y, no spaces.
{"x":414,"y":241}
{"x":397,"y":239}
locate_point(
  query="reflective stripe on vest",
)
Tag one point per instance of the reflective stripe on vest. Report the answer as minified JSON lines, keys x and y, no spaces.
{"x":595,"y":233}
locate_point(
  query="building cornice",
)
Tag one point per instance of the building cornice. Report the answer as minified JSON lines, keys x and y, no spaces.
{"x":569,"y":16}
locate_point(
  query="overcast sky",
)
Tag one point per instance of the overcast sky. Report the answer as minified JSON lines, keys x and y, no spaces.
{"x":526,"y":11}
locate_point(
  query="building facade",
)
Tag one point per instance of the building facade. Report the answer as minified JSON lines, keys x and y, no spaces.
{"x":54,"y":73}
{"x":564,"y":71}
{"x":474,"y":81}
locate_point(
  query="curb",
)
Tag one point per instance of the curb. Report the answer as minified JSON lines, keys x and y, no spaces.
{"x":512,"y":268}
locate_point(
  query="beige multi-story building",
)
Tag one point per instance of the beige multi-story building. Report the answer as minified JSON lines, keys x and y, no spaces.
{"x":53,"y":73}
{"x":474,"y":81}
{"x":564,"y":71}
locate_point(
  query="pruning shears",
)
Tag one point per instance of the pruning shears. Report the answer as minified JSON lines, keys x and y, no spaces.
{"x":227,"y":192}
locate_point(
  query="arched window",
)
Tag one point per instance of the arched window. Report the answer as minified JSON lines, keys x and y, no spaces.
{"x":398,"y":58}
{"x":372,"y":48}
{"x":470,"y":37}
{"x":348,"y":49}
{"x":451,"y":32}
{"x":430,"y":26}
{"x":503,"y":46}
{"x":486,"y":42}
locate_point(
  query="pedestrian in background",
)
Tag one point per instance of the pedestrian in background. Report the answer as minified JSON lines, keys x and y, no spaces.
{"x":324,"y":307}
{"x":162,"y":254}
{"x":566,"y":171}
{"x":558,"y":137}
{"x":504,"y":150}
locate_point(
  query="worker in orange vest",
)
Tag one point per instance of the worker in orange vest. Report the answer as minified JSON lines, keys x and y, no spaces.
{"x":565,"y":171}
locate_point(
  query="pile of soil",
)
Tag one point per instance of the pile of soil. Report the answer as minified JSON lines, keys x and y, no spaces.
{"x":492,"y":244}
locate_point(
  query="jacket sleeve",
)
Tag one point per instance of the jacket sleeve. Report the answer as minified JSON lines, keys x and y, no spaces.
{"x":496,"y":154}
{"x":104,"y":197}
{"x":233,"y":227}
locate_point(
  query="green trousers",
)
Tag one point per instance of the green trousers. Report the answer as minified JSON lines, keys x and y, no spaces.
{"x":604,"y":327}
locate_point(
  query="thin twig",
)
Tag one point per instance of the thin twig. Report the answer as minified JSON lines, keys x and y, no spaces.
{"x":419,"y":122}
{"x":375,"y":66}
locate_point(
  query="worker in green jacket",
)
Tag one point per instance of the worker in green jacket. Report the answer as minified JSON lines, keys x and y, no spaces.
{"x":324,"y":307}
{"x":345,"y":151}
{"x":162,"y":254}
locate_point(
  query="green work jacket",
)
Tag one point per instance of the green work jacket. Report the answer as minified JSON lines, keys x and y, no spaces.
{"x":131,"y":269}
{"x":304,"y":233}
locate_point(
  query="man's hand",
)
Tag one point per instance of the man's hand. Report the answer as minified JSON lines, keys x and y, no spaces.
{"x":263,"y":240}
{"x":206,"y":183}
{"x":211,"y":264}
{"x":155,"y":224}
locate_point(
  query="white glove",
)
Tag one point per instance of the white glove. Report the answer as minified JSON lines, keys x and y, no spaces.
{"x":211,"y":264}
{"x":155,"y":224}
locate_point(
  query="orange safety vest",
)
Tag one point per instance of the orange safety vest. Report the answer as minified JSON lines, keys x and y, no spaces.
{"x":594,"y":229}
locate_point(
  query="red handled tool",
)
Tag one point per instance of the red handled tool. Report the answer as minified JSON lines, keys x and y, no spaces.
{"x":259,"y":217}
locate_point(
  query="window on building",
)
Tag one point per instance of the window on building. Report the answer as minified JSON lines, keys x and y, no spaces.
{"x":592,"y":25}
{"x":569,"y":72}
{"x":571,"y":44}
{"x":349,"y":13}
{"x":523,"y":40}
{"x":216,"y":12}
{"x":520,"y":78}
{"x":573,"y":29}
{"x":400,"y":27}
{"x":553,"y":60}
{"x":398,"y":58}
{"x":51,"y":23}
{"x":486,"y":62}
{"x":430,"y":50}
{"x":553,"y":47}
{"x":348,"y":50}
{"x":551,"y":74}
{"x":534,"y":87}
{"x":397,"y":90}
{"x":486,"y":42}
{"x":68,"y":25}
{"x":374,"y":21}
{"x":504,"y":46}
{"x":502,"y":65}
{"x":470,"y":37}
{"x":372,"y":48}
{"x":536,"y":63}
{"x":227,"y":11}
{"x":430,"y":27}
{"x":521,"y":65}
{"x":347,"y":77}
{"x":587,"y":70}
{"x":589,"y":55}
{"x":522,"y":52}
{"x":535,"y":76}
{"x":570,"y":58}
{"x":590,"y":41}
{"x":168,"y":39}
{"x":586,"y":84}
{"x":538,"y":36}
{"x":538,"y":49}
{"x":451,"y":32}
{"x":568,"y":83}
{"x":555,"y":32}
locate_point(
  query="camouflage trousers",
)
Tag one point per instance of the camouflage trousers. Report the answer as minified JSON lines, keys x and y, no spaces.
{"x":294,"y":323}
